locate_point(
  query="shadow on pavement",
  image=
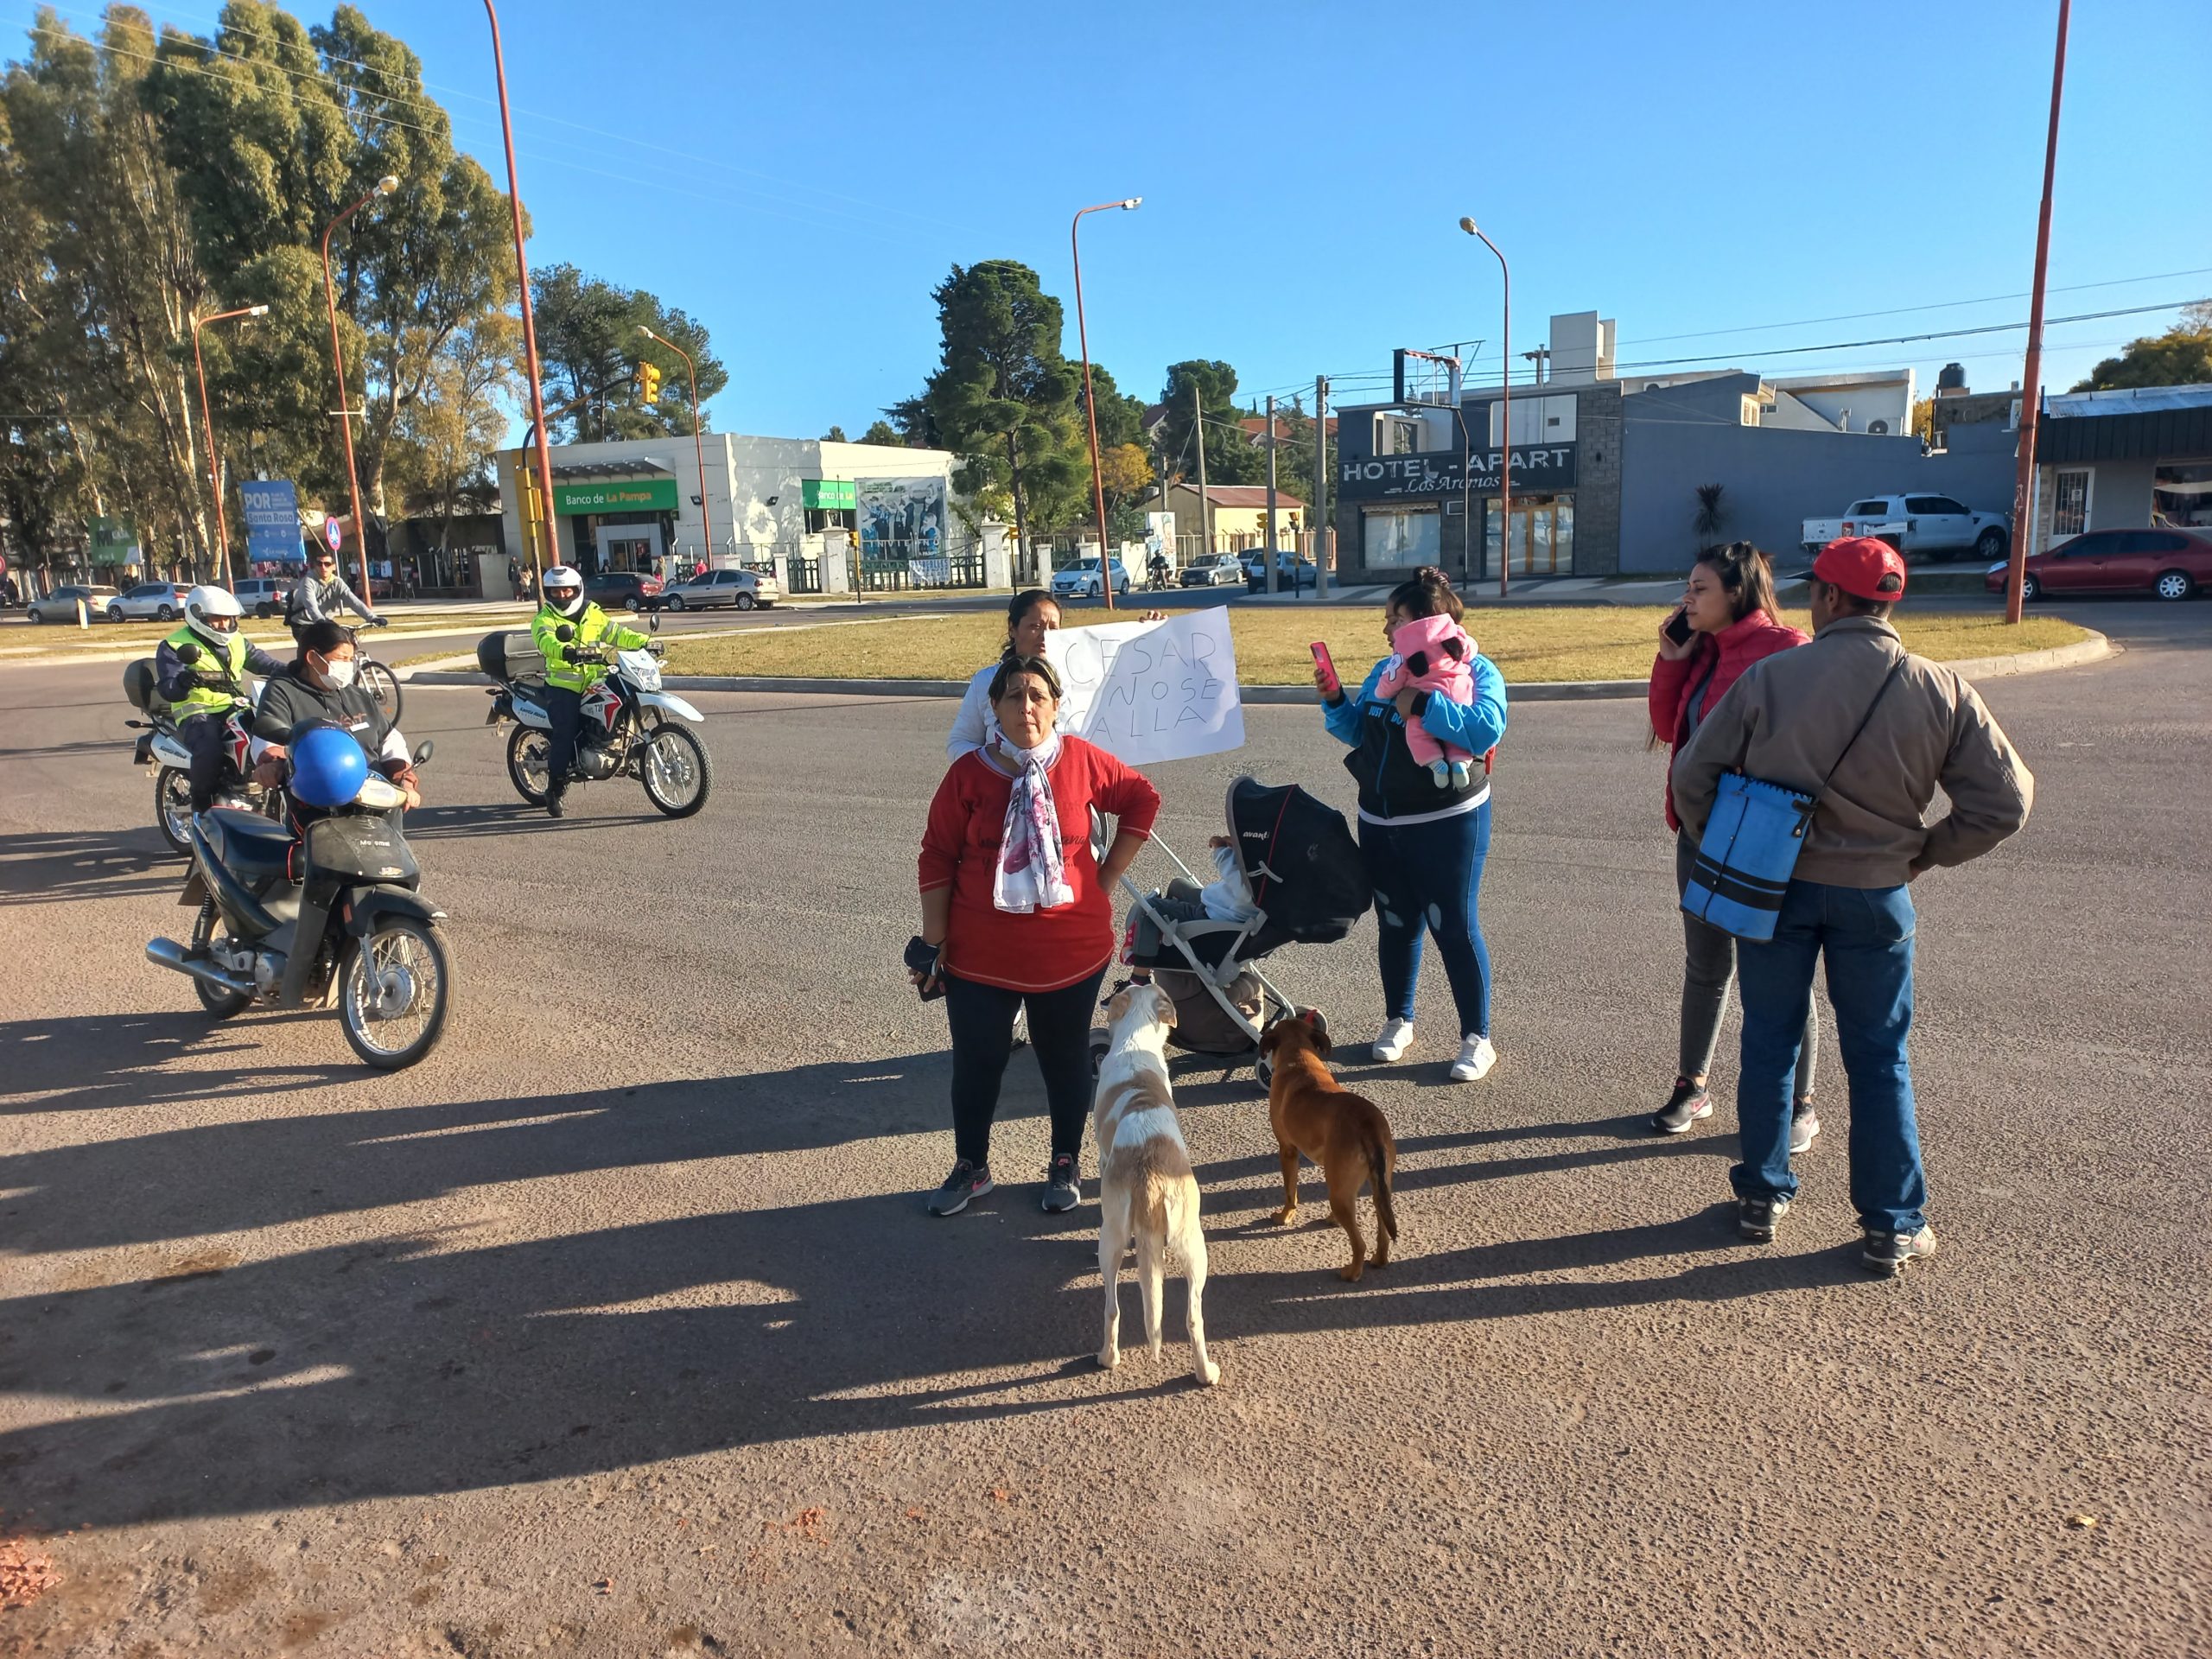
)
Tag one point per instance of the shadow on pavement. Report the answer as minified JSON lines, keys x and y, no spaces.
{"x":420,"y":1364}
{"x":89,"y":864}
{"x":93,"y":1061}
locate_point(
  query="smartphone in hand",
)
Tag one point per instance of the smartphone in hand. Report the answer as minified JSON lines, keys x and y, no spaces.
{"x":1678,"y":627}
{"x":1332,"y":686}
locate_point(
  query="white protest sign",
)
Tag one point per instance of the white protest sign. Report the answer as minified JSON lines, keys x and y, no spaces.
{"x":1147,"y":691}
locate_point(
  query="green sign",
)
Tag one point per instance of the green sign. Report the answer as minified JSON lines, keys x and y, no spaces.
{"x":114,"y":541}
{"x":623,"y":495}
{"x":827,"y":494}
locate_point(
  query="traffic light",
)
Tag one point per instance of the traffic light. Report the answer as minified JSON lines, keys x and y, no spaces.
{"x":649,"y":382}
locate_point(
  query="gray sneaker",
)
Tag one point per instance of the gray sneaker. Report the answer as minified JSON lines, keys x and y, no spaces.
{"x":1804,"y":1124}
{"x":1689,"y":1102}
{"x":1063,"y":1186}
{"x":1886,"y":1252}
{"x":966,"y":1181}
{"x":1755,"y":1218}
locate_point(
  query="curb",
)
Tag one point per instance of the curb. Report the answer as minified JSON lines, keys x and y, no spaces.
{"x":2096,"y":648}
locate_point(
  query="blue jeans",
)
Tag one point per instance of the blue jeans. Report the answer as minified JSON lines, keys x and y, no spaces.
{"x":1431,"y":873}
{"x":1865,"y":933}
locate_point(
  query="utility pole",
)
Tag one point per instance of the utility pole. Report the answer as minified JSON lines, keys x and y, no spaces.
{"x":1317,"y":515}
{"x":1206,"y":501}
{"x":1272,"y":560}
{"x":2023,"y":527}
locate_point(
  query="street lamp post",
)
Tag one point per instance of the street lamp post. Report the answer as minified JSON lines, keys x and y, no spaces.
{"x":699,"y":443}
{"x":2031,"y":372}
{"x":384,"y":186}
{"x":1090,"y":403}
{"x":1505,"y":401}
{"x":522,"y":281}
{"x":207,"y":426}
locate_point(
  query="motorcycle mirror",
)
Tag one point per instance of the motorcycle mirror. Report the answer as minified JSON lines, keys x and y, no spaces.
{"x":652,"y":621}
{"x":423,"y":751}
{"x":565,"y":633}
{"x":187,"y":653}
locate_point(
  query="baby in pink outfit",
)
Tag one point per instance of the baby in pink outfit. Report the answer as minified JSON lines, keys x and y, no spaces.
{"x":1432,"y":654}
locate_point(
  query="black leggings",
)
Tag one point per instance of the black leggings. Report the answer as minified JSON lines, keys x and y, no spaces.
{"x":982,"y":1017}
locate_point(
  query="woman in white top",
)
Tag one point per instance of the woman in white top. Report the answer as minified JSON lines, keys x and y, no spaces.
{"x":1029,"y":617}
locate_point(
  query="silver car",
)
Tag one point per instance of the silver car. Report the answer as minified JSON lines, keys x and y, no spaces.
{"x":149,"y":602}
{"x":742,"y":589}
{"x":60,"y":605}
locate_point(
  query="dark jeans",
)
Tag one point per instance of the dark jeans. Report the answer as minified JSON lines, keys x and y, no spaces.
{"x":565,"y":713}
{"x":1864,"y":935}
{"x":1708,"y":967}
{"x":208,"y":739}
{"x":982,"y":1017}
{"x":1431,"y":875}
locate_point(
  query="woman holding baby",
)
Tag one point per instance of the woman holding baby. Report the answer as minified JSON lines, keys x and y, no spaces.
{"x":1420,"y":728}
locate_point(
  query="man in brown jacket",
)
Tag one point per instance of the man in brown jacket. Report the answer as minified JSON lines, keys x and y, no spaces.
{"x":1790,"y":720}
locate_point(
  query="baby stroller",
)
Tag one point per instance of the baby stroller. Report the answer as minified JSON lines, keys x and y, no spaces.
{"x":1302,"y":868}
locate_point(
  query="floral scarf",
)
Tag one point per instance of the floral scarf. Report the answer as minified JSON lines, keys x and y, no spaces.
{"x":1029,"y":876}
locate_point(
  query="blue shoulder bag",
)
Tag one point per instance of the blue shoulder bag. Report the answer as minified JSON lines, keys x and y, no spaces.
{"x":1751,"y":841}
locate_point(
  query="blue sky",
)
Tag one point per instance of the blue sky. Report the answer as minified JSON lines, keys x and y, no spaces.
{"x":799,"y":178}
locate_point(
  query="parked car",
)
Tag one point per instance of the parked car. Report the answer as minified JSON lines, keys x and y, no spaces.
{"x":627,"y":590}
{"x":60,"y":605}
{"x":1293,"y":574}
{"x":1918,"y":526}
{"x":263,"y":595}
{"x":149,"y":602}
{"x":1213,"y":572}
{"x":2172,"y":563}
{"x":741,"y":589}
{"x":1084,"y":579}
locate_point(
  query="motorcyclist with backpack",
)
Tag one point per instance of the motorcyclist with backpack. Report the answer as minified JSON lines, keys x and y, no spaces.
{"x":573,"y":666}
{"x":202,"y":692}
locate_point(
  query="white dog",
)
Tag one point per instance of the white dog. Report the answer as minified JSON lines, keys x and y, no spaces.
{"x":1145,"y":1189}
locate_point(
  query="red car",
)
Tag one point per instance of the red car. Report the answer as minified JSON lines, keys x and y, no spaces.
{"x":2172,"y":563}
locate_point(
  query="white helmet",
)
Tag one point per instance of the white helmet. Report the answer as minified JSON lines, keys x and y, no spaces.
{"x":203,"y":605}
{"x":568,"y":576}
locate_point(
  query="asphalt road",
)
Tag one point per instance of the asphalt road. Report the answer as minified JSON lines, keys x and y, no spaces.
{"x":615,"y":1328}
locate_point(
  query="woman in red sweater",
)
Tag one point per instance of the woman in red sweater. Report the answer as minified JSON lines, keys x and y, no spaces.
{"x":1019,"y":912}
{"x":1733,"y":620}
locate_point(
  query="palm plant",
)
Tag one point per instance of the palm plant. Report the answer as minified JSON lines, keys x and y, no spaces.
{"x":1711,"y":512}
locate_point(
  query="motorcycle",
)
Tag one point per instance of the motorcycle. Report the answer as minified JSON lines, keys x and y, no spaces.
{"x":330,"y":916}
{"x":628,"y":728}
{"x":162,"y":748}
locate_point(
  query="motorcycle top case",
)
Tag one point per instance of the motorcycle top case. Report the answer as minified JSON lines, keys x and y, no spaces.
{"x":361,"y":845}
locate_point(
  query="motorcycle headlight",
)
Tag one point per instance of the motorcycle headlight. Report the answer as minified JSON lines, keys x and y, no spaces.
{"x":377,"y":794}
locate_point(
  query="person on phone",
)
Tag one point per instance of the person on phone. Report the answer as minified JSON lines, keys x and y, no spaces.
{"x":1016,"y":915}
{"x":1424,"y":845}
{"x":1727,"y":621}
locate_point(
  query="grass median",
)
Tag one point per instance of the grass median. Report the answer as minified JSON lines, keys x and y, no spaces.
{"x":1530,"y":644}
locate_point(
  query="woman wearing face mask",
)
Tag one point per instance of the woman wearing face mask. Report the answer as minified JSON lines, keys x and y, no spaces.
{"x":1018,"y":914}
{"x":319,"y":685}
{"x":1727,"y":621}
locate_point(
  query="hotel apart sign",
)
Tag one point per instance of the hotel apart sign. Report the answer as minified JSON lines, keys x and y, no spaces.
{"x":1374,"y":478}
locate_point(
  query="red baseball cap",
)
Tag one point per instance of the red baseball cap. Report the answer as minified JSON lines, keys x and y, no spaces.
{"x":1862,"y":566}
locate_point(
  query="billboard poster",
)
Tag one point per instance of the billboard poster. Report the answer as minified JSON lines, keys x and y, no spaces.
{"x":273,"y":521}
{"x":904,"y":519}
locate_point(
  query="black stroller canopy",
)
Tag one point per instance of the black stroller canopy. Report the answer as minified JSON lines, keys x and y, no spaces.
{"x":1301,"y":860}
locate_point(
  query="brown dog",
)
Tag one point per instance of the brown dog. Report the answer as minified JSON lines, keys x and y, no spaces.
{"x":1345,"y":1134}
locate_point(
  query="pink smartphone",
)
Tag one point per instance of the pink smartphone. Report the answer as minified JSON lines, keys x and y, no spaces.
{"x":1333,"y":687}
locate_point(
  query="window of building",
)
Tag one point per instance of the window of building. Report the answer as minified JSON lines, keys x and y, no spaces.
{"x":1542,"y":543}
{"x":1401,"y":536}
{"x":1400,"y":436}
{"x":2181,"y":494}
{"x":820,"y":518}
{"x":2069,"y":503}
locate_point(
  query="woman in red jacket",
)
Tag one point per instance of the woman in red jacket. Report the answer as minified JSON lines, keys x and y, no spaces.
{"x":1729,"y":605}
{"x":1019,"y":912}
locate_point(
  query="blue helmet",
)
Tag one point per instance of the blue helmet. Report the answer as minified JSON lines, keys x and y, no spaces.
{"x":327,"y":767}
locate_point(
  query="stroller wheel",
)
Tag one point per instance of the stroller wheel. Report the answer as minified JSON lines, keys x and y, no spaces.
{"x":1266,"y":1072}
{"x":1097,"y":1053}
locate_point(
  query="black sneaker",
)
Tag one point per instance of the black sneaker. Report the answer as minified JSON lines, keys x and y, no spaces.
{"x":966,"y":1181}
{"x":1063,"y":1186}
{"x":1689,"y":1102}
{"x":1884,"y":1252}
{"x":1755,"y":1217}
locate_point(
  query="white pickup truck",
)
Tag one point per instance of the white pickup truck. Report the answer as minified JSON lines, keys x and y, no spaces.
{"x":1918,"y":526}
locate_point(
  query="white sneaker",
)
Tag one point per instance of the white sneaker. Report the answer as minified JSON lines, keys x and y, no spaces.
{"x":1390,"y":1044}
{"x":1475,"y":1059}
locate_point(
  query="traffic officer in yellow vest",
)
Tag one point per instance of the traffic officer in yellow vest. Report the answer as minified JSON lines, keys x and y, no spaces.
{"x":571,"y":667}
{"x":201,"y":693}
